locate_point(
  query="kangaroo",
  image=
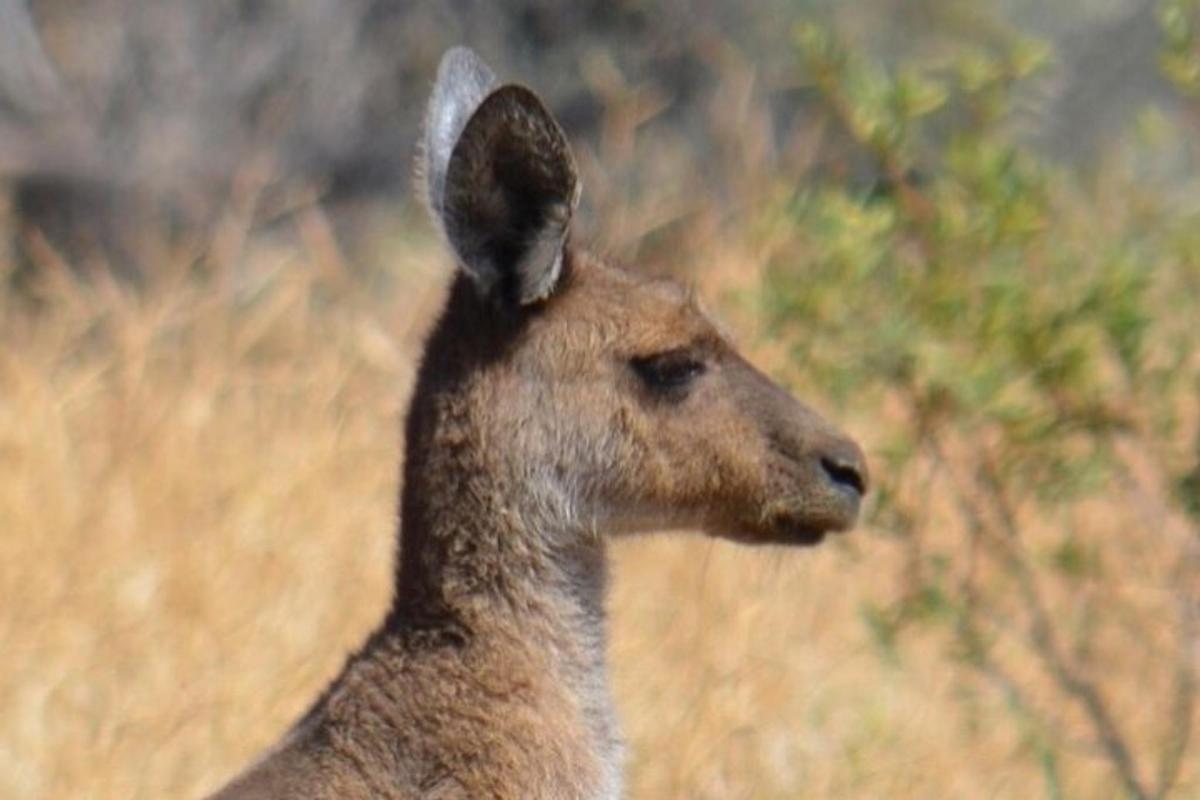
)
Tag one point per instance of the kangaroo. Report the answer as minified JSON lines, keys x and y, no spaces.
{"x":560,"y":400}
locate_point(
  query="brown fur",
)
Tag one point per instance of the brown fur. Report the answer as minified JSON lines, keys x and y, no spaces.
{"x":538,"y":426}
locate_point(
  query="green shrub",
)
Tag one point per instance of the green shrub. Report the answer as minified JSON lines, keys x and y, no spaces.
{"x":1027,"y":343}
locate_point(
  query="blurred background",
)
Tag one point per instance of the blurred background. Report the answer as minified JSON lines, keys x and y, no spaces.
{"x":969,"y":232}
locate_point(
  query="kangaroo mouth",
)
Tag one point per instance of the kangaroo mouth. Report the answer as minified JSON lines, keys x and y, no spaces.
{"x":809,"y":523}
{"x":806,"y":520}
{"x":803,"y":511}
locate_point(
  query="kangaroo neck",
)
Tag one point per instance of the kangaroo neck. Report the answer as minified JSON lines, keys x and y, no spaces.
{"x":474,"y":569}
{"x":489,"y":555}
{"x":467,"y":555}
{"x":479,"y":531}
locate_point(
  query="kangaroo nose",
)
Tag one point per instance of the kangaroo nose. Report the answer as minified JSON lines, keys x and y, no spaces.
{"x":846,"y":467}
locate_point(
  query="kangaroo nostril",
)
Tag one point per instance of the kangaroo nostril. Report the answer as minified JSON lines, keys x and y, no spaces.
{"x":845,"y":472}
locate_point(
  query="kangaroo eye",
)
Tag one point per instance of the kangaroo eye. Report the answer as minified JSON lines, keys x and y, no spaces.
{"x":671,"y":371}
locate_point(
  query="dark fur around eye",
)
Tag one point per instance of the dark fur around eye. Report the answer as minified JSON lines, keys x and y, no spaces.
{"x":669,"y":372}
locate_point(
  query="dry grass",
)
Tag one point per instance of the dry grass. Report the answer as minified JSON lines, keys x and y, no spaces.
{"x":196,"y":514}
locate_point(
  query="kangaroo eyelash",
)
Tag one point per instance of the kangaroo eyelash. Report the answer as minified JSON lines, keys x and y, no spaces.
{"x":669,"y":371}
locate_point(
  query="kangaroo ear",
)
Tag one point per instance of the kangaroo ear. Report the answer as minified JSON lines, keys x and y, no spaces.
{"x":508,"y":188}
{"x":462,"y":83}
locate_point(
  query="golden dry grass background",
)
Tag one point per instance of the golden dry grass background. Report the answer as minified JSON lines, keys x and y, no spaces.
{"x":197,"y":489}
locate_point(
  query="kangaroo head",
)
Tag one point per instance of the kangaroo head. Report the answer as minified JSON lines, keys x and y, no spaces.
{"x":604,"y":400}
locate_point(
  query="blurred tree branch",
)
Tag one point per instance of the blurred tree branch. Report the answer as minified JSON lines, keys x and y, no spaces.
{"x":1024,"y":362}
